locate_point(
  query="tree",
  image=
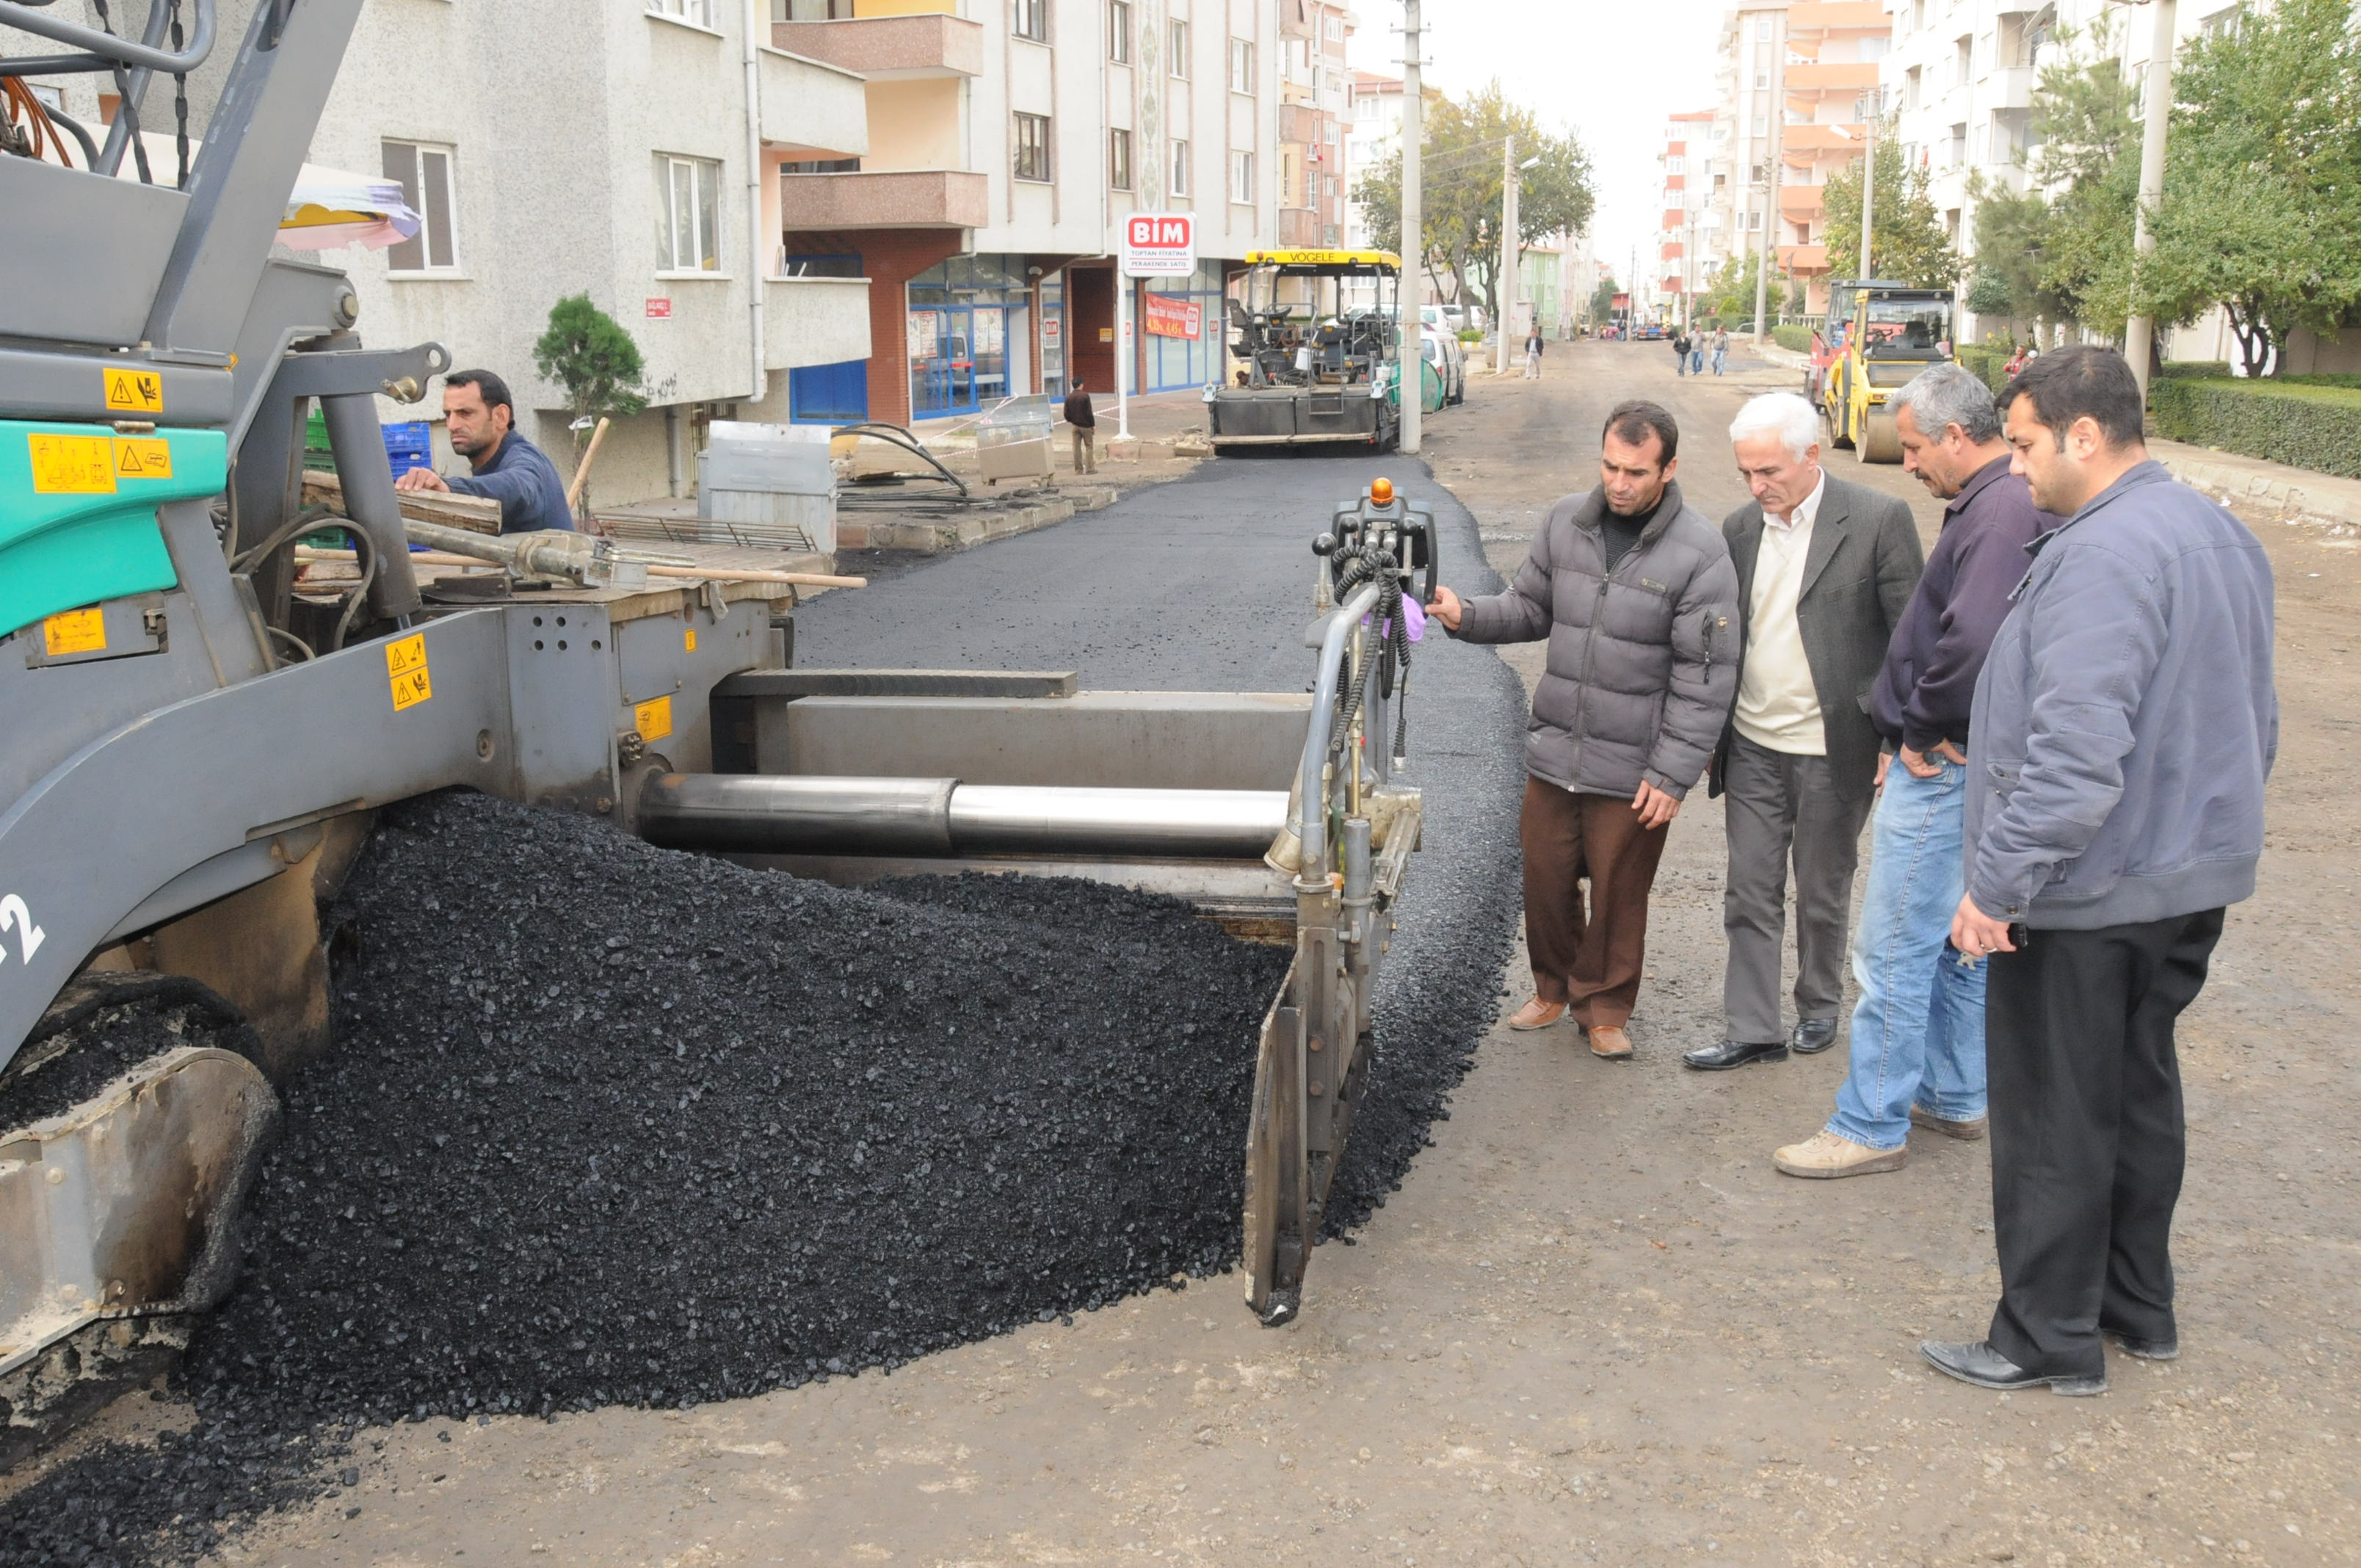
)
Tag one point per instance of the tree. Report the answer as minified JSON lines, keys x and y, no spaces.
{"x":1463,"y":191}
{"x":1729,"y":296}
{"x":1908,"y":243}
{"x":1602,"y":301}
{"x":587,"y":352}
{"x":2262,"y":194}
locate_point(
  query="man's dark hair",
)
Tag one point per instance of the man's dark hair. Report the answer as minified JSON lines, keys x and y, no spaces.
{"x":490,"y":387}
{"x":2067,"y":383}
{"x":1634,"y":420}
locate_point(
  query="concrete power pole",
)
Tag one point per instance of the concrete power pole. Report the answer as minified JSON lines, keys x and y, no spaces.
{"x":1778,"y":123}
{"x":2140,"y":331}
{"x":1411,"y":294}
{"x":1869,"y":184}
{"x":1507,"y":290}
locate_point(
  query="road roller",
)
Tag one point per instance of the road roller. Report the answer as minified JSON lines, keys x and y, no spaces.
{"x":1895,"y":333}
{"x":200,"y":733}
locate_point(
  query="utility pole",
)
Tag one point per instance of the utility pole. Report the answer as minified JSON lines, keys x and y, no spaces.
{"x":1777,"y":120}
{"x":1869,"y":179}
{"x":2140,"y":331}
{"x":1507,"y":290}
{"x":1412,"y":295}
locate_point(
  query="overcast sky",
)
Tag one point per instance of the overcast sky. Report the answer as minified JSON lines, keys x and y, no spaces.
{"x":1608,"y":70}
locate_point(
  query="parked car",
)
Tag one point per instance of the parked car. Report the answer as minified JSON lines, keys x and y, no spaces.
{"x":1445,"y":352}
{"x":1653,"y":332}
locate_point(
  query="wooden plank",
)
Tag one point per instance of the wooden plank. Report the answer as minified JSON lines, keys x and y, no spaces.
{"x":451,"y":510}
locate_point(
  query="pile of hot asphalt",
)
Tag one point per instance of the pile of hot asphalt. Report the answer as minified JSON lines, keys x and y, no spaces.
{"x":609,"y":1123}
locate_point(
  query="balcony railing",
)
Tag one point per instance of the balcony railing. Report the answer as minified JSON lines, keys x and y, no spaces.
{"x":814,"y":321}
{"x":1299,"y":228}
{"x":901,"y":199}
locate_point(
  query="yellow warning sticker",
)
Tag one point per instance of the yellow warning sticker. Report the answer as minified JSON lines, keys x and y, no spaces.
{"x":405,"y":669}
{"x":75,"y":631}
{"x":653,"y":719}
{"x":72,"y":464}
{"x":135,"y":391}
{"x":143,"y":457}
{"x":689,"y":639}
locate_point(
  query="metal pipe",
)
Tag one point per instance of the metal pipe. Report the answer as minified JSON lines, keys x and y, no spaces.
{"x":1312,"y":775}
{"x":1222,"y":823}
{"x":790,"y":815}
{"x":112,"y":47}
{"x":758,"y":813}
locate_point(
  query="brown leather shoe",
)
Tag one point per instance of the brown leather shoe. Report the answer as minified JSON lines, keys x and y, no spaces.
{"x":1537,"y":1014}
{"x":1609,"y":1043}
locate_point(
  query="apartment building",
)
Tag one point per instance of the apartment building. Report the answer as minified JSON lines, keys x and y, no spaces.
{"x":1742,"y":142}
{"x":1007,"y":140}
{"x":1315,"y":90}
{"x":618,"y":149}
{"x":1679,"y":245}
{"x":1373,"y":134}
{"x":1961,"y":78}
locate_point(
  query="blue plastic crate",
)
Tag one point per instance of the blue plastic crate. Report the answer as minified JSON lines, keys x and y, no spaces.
{"x":410,"y":447}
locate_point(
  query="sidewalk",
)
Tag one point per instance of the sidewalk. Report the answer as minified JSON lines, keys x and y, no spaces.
{"x":2261,"y":492}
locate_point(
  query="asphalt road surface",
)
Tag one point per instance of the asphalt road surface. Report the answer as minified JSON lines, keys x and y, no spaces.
{"x":1594,"y":1325}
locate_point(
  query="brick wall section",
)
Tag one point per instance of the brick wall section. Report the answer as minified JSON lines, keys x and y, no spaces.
{"x":890,"y":258}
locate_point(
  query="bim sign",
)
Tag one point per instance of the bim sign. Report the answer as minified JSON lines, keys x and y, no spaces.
{"x":1159,"y":244}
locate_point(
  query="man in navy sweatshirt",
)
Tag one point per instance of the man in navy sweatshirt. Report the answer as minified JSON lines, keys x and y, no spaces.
{"x":504,"y":466}
{"x":2123,"y":730}
{"x":1918,"y":1028}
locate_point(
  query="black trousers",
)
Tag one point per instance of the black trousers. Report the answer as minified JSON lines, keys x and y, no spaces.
{"x":2087,"y":1137}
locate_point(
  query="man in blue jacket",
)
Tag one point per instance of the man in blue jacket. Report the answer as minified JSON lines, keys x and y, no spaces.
{"x":2122,"y":731}
{"x":480,"y":421}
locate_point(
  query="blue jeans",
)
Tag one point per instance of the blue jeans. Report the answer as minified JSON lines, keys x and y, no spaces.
{"x":1720,"y":357}
{"x":1696,"y":361}
{"x":1918,"y":1030}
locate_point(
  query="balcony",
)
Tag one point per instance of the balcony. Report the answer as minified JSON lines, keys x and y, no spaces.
{"x":812,"y":107}
{"x":1297,"y":123}
{"x":889,"y":47}
{"x":1801,"y":204}
{"x":1844,"y":76}
{"x":1299,"y":229}
{"x":814,"y":321}
{"x":2010,"y":88}
{"x":1812,"y":16}
{"x":1804,"y":261}
{"x":907,"y":199}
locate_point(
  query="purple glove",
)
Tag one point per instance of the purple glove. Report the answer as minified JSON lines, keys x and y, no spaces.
{"x":1413,"y":620}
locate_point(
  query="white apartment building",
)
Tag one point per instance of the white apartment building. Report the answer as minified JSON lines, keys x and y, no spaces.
{"x":1685,"y":239}
{"x":914,"y":216}
{"x":1373,"y":134}
{"x":1961,"y":75}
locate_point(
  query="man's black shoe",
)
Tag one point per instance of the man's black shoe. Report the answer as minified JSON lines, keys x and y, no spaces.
{"x":2147,"y":1349}
{"x":1812,"y":1036}
{"x":1985,"y":1368}
{"x":1732,"y":1053}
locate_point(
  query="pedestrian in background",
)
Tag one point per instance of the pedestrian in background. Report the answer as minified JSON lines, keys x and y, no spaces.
{"x":1720,"y":349}
{"x":1534,"y":355}
{"x":1696,"y":354}
{"x":2124,"y":731}
{"x":1680,"y":351}
{"x":1919,"y":1027}
{"x":1085,"y":426}
{"x":1634,"y":591}
{"x":1824,"y":569}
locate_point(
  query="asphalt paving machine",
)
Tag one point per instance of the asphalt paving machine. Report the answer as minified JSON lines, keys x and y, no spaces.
{"x":198,"y":737}
{"x":1317,"y":367}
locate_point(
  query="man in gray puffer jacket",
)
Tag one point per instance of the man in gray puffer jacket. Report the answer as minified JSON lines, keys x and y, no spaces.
{"x":1637,"y":596}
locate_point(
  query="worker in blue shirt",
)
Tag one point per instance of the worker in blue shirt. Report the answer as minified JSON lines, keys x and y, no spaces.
{"x":506,"y":468}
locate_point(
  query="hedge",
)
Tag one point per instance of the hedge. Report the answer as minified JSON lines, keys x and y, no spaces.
{"x":1987,"y":362}
{"x":2304,"y":424}
{"x":1794,"y":336}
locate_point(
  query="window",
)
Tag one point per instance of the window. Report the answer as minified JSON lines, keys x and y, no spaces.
{"x":1032,"y":144}
{"x":425,"y":174}
{"x":1365,"y":108}
{"x":1762,"y":29}
{"x":1119,"y":31}
{"x":1754,"y":221}
{"x":1179,"y":168}
{"x":1177,"y":50}
{"x":811,"y":10}
{"x":1030,"y":19}
{"x":1875,"y":47}
{"x":1674,"y":165}
{"x":1336,"y":29}
{"x":1762,"y":81}
{"x":1119,"y":160}
{"x":1761,"y":125}
{"x":696,"y":13}
{"x":688,"y":215}
{"x":50,"y":98}
{"x":1241,"y":188}
{"x":1242,"y":76}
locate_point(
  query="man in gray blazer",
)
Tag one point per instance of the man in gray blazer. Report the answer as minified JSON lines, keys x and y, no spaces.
{"x":1825,"y":570}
